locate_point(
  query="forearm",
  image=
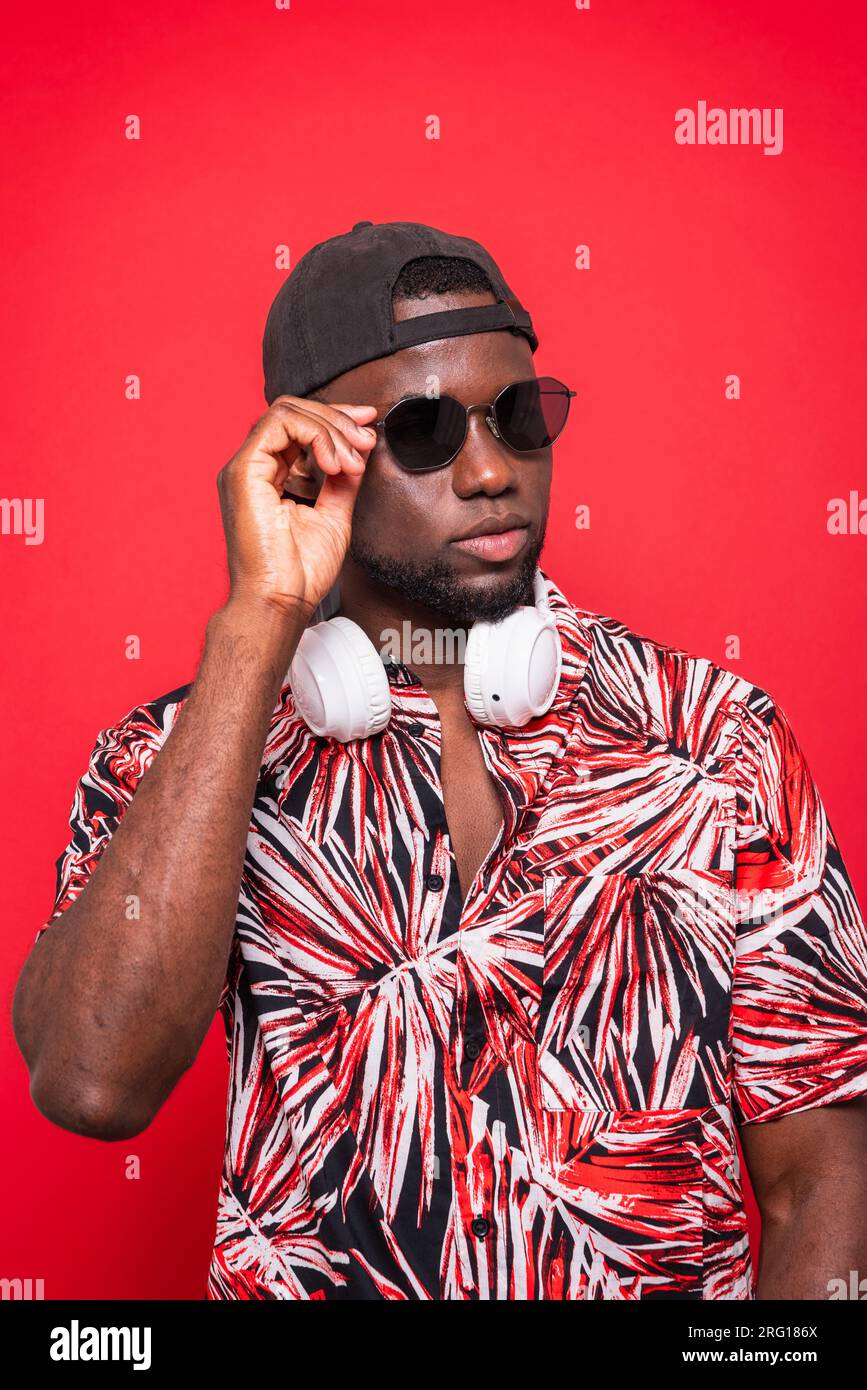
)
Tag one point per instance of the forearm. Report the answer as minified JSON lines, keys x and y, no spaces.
{"x":814,"y":1239}
{"x":112,"y":1005}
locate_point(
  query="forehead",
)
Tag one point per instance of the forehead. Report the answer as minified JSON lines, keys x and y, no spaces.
{"x":472,"y":367}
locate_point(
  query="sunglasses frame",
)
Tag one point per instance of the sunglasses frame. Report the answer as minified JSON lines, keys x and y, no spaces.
{"x":490,"y":420}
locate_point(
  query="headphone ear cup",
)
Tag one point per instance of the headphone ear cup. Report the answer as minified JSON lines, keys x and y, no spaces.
{"x":339,"y":683}
{"x":512,"y":668}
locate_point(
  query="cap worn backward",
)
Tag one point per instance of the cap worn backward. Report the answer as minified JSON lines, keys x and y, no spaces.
{"x":334,"y":311}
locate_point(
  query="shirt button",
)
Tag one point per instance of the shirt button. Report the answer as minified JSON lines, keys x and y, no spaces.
{"x":415,"y":730}
{"x":480,"y":1227}
{"x":473,"y":1047}
{"x":434,"y":882}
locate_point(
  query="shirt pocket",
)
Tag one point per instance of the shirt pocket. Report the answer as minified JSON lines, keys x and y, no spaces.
{"x":635,"y":997}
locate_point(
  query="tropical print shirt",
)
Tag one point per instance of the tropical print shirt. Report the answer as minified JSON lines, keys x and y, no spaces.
{"x":533,"y":1093}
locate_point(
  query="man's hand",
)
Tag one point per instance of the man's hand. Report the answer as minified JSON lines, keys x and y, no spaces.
{"x":280,"y":552}
{"x":809,"y":1174}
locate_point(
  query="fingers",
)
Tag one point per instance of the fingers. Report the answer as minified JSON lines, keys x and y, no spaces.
{"x":336,"y":438}
{"x":335,"y":435}
{"x":336,"y":500}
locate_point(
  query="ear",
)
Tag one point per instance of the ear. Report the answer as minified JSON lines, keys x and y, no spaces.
{"x":305,"y":478}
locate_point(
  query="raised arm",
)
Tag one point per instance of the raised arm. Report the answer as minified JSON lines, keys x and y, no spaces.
{"x":109,"y":1012}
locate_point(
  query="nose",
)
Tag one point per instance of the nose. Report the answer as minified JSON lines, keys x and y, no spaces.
{"x":484,"y":464}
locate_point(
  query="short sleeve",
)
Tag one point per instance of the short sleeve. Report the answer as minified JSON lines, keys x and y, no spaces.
{"x":102,"y":794}
{"x":799,"y":999}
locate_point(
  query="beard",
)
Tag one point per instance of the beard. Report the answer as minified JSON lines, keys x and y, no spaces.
{"x":436,"y":586}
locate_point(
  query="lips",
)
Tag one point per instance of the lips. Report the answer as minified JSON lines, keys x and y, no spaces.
{"x":496,"y":545}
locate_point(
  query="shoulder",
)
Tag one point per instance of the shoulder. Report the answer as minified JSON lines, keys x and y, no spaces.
{"x":125,"y":746}
{"x":160,"y":712}
{"x":653,"y":688}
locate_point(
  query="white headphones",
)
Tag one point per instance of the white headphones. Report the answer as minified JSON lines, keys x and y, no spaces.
{"x":511,"y":670}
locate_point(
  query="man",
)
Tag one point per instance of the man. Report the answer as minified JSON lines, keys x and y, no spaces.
{"x":498,"y":995}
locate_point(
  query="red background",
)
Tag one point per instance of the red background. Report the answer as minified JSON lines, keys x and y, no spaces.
{"x":156,"y":257}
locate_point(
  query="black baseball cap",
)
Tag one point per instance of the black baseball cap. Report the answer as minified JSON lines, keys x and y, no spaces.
{"x":333,"y":311}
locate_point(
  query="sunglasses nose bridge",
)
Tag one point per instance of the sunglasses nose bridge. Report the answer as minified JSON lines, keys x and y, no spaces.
{"x":490,"y":419}
{"x":491,"y":423}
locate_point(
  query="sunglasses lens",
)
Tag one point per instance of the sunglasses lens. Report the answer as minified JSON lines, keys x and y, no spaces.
{"x":531,"y":414}
{"x":424,"y":433}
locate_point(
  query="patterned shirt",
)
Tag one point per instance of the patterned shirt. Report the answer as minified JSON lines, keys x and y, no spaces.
{"x":532,"y":1093}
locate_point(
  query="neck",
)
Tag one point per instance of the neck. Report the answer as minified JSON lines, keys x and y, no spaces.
{"x":403,"y":630}
{"x":423,"y":638}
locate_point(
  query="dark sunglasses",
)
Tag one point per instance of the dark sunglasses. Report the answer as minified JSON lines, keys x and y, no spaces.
{"x":424,"y":433}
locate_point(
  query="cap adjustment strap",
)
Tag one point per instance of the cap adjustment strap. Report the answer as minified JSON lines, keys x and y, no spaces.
{"x":454,"y":323}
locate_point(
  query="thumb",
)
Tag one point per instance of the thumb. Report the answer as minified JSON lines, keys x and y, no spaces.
{"x":337,"y":497}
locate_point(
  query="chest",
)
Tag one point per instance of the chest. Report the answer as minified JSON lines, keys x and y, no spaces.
{"x":471,"y":798}
{"x":604,"y":938}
